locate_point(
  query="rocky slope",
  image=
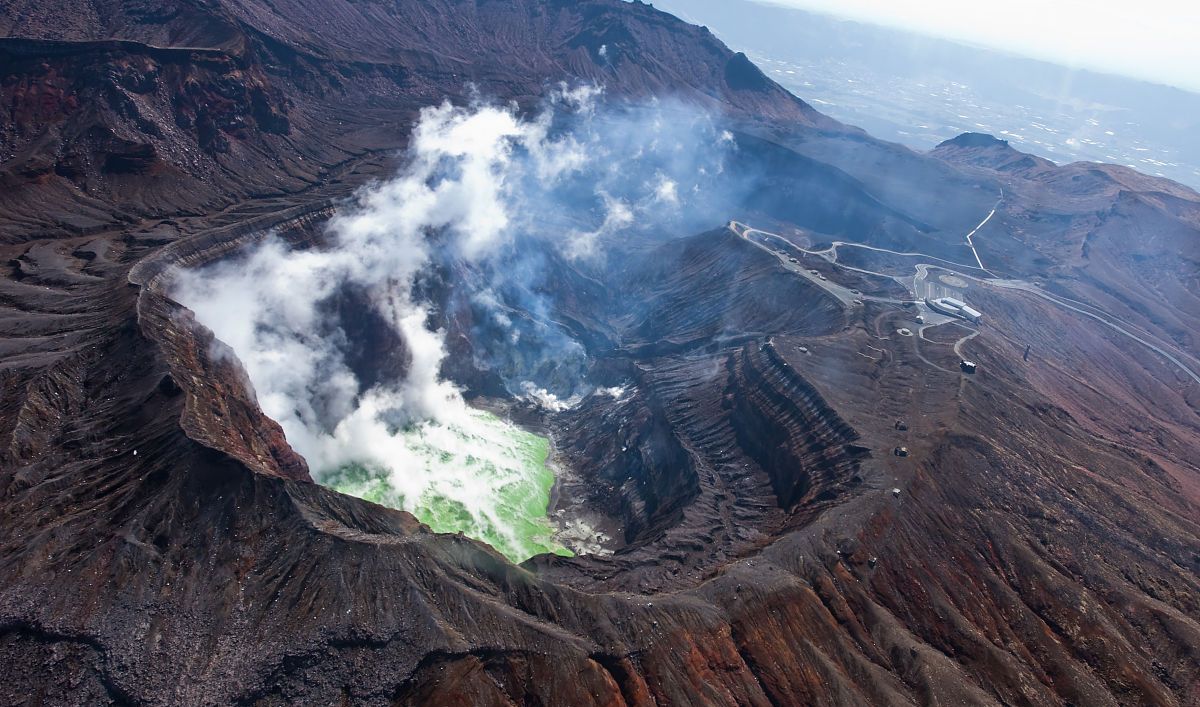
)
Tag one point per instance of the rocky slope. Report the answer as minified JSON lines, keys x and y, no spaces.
{"x":160,"y":543}
{"x":223,"y":102}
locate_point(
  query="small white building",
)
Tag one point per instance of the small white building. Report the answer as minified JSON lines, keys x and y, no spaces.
{"x":955,"y":308}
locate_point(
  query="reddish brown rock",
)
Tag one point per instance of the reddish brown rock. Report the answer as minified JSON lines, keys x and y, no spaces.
{"x":161,"y":544}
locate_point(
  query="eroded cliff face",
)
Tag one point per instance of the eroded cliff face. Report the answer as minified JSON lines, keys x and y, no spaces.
{"x":162,"y":544}
{"x":116,"y":113}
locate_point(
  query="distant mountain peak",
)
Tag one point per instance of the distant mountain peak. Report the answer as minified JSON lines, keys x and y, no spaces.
{"x":974,"y":140}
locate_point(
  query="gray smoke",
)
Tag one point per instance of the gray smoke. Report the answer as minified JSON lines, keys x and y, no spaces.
{"x":483,"y":187}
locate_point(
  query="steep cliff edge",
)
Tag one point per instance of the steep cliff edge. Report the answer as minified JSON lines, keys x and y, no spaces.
{"x":130,"y":113}
{"x":160,"y":543}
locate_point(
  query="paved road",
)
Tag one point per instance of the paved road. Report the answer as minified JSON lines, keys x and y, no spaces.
{"x":836,"y":244}
{"x":981,"y":225}
{"x":87,"y":44}
{"x":921,"y":288}
{"x":773,"y":243}
{"x":958,"y":344}
{"x":1111,"y":322}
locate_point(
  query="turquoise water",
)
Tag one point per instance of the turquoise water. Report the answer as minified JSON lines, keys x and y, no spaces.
{"x":480,"y":475}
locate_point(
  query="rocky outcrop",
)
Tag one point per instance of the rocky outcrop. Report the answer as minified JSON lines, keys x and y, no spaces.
{"x":130,"y":124}
{"x":637,"y":469}
{"x":785,"y":425}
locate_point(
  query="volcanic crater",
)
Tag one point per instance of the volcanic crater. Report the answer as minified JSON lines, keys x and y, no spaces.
{"x":803,"y":506}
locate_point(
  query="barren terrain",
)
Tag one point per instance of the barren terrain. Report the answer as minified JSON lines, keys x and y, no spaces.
{"x":161,"y":542}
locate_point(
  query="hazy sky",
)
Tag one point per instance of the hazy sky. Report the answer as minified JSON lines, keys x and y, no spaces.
{"x":1158,"y":40}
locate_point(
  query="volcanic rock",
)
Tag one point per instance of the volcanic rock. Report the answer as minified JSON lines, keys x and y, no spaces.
{"x":160,"y":542}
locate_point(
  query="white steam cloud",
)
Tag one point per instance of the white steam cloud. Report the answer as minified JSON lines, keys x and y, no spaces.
{"x":481,"y":186}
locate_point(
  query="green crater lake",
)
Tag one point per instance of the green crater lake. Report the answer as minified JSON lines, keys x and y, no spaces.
{"x":480,"y":475}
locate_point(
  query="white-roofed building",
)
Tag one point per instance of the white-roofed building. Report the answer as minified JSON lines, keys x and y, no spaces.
{"x":955,"y":308}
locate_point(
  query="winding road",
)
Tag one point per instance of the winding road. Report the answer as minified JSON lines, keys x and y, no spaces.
{"x":975,"y":230}
{"x":844,"y":294}
{"x":920,"y":287}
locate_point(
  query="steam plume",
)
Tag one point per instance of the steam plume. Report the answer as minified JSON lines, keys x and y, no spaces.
{"x":481,"y":186}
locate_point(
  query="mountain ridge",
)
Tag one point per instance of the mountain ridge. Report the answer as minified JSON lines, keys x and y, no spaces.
{"x":161,"y":542}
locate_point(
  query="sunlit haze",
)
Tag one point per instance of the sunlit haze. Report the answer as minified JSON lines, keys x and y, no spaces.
{"x":1156,"y":40}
